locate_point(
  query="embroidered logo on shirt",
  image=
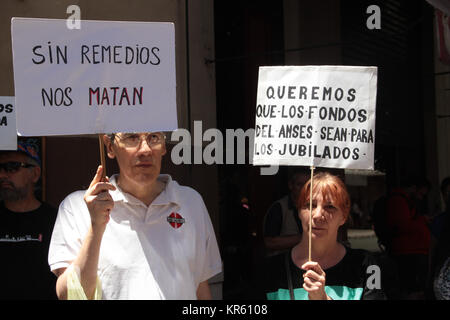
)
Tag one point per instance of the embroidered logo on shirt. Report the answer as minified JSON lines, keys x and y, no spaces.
{"x":175,"y":220}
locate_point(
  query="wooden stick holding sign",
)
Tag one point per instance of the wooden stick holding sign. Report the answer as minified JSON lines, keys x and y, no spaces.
{"x":310,"y":213}
{"x":102,"y":156}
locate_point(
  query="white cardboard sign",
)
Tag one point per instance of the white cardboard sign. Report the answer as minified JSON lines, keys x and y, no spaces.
{"x":105,"y":77}
{"x":321,"y":116}
{"x":8,"y":135}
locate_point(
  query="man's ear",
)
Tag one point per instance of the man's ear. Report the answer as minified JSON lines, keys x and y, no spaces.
{"x":109,"y":147}
{"x":164,"y":150}
{"x":36,"y":174}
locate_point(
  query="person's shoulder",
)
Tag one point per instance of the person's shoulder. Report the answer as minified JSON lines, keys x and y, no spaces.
{"x":369,"y":260}
{"x":398,"y":201}
{"x":74,"y":199}
{"x":188,"y":199}
{"x":76,"y":194}
{"x":398,"y":195}
{"x":355,"y":253}
{"x":48,"y":209}
{"x":286,"y":198}
{"x":369,"y":266}
{"x":276,"y":205}
{"x":183,"y":193}
{"x":2,"y":206}
{"x":360,"y":256}
{"x":183,"y":189}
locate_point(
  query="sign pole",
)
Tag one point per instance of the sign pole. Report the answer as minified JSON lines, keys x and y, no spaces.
{"x":102,"y":155}
{"x":310,"y":213}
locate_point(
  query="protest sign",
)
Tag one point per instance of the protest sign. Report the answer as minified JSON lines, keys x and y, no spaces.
{"x":8,"y":135}
{"x":107,"y":76}
{"x":318,"y":116}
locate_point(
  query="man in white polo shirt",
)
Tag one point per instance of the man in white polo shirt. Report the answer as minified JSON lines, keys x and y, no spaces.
{"x":138,"y":235}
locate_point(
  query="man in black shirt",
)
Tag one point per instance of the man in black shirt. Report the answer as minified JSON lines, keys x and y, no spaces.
{"x":26,"y":227}
{"x":282,"y":226}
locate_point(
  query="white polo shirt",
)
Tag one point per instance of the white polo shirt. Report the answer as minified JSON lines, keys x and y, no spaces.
{"x":162,"y":251}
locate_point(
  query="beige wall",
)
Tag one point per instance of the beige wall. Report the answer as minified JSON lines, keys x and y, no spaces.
{"x":202,"y":106}
{"x":202,"y":93}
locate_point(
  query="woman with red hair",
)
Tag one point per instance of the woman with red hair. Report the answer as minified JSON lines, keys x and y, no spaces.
{"x":335,"y":271}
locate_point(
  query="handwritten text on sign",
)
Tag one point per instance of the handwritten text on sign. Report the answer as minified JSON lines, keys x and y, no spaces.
{"x":8,"y":135}
{"x":105,"y":77}
{"x":316,"y":115}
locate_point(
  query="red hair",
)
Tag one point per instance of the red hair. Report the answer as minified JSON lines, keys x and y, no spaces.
{"x":331,"y":187}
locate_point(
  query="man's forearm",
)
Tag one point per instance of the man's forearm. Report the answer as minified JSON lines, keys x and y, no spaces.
{"x":203,"y":291}
{"x":85,"y":266}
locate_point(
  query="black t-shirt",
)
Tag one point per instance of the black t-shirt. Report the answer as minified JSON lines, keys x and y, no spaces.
{"x":352,"y":278}
{"x":24,"y":242}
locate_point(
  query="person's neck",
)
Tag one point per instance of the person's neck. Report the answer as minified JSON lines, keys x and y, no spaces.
{"x":326,"y":253}
{"x":145,"y":193}
{"x":24,"y":205}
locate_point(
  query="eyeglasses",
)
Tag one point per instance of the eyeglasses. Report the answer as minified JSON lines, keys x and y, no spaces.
{"x":14,"y":166}
{"x":132,"y":140}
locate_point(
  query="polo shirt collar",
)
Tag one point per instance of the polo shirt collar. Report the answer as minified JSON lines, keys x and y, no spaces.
{"x":167,"y":196}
